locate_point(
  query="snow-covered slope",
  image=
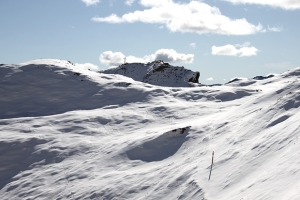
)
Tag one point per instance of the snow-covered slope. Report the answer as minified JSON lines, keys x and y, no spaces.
{"x":157,"y":73}
{"x":69,"y":133}
{"x":47,"y":87}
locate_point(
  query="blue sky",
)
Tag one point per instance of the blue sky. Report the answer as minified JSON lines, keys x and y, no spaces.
{"x":222,"y":39}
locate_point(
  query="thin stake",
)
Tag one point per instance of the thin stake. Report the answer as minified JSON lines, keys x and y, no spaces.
{"x":212,"y":162}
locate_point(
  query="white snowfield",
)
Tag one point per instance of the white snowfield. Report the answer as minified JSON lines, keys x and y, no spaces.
{"x":71,"y":133}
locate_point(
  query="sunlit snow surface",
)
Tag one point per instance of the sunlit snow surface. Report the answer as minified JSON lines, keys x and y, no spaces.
{"x":71,"y":133}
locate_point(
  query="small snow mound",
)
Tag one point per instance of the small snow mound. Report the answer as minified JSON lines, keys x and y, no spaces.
{"x":240,"y":82}
{"x":160,"y":148}
{"x":51,"y":62}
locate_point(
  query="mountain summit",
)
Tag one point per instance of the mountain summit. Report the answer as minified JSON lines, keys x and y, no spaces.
{"x":157,"y":73}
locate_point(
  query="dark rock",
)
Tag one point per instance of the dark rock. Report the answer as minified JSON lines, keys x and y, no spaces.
{"x":70,"y":62}
{"x":234,"y":80}
{"x":157,"y":73}
{"x":195,"y":78}
{"x":263,"y":77}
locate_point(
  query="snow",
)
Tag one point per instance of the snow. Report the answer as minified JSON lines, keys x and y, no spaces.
{"x":70,"y":133}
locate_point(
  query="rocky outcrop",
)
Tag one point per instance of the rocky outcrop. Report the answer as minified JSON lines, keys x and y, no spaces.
{"x":263,"y":77}
{"x":157,"y":73}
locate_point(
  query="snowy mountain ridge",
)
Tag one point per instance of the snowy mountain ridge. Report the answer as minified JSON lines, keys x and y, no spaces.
{"x":157,"y":73}
{"x":71,"y":133}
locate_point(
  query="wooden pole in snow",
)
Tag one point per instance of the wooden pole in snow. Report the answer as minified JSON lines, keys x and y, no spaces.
{"x":212,"y":162}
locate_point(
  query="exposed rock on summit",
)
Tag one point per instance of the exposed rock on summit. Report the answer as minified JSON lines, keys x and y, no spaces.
{"x":157,"y":73}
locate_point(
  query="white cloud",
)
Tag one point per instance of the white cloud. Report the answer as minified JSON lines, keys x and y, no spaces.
{"x":284,"y":4}
{"x":170,"y":55}
{"x":210,"y":79}
{"x":193,"y":45}
{"x":275,"y":29}
{"x":227,"y":50}
{"x":245,"y":44}
{"x":88,"y":66}
{"x":110,"y":58}
{"x":193,"y":17}
{"x":90,"y":2}
{"x":240,"y":50}
{"x":129,"y":2}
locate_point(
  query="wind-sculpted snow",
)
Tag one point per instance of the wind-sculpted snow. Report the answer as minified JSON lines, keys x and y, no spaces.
{"x":159,"y":148}
{"x":292,"y":73}
{"x":44,"y":89}
{"x":70,"y":133}
{"x":157,"y":73}
{"x":17,"y":159}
